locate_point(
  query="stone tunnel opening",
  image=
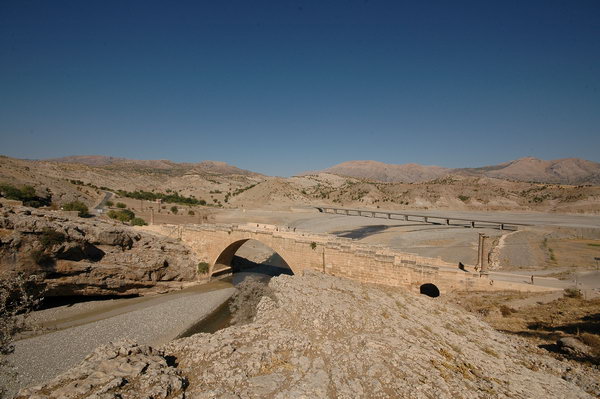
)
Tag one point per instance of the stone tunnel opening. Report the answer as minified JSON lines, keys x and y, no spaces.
{"x":430,"y":290}
{"x":247,"y":258}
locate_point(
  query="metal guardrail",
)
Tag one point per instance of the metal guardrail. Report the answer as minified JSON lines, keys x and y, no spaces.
{"x":417,"y":218}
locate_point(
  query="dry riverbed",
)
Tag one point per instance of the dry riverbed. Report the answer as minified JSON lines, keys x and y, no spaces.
{"x":68,"y":333}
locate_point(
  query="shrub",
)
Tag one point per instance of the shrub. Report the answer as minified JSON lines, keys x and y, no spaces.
{"x":121,"y":205}
{"x":202,"y":268}
{"x":138,"y":222}
{"x":191,"y":213}
{"x":19,"y":295}
{"x":572,"y":293}
{"x":506,"y":311}
{"x":110,"y":203}
{"x":313,"y":245}
{"x":124,"y":215}
{"x":41,"y":258}
{"x":78,"y":206}
{"x":463,"y":198}
{"x":174,"y":209}
{"x":50,"y":238}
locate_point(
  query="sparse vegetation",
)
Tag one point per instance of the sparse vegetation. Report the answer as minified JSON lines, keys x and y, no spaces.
{"x":80,"y":207}
{"x":50,"y":238}
{"x":26,"y":194}
{"x":138,"y":222}
{"x":170,"y":196}
{"x":572,"y":293}
{"x":202,"y":268}
{"x":241,"y":190}
{"x":19,"y":296}
{"x":506,"y":311}
{"x":123,"y":215}
{"x":41,"y":258}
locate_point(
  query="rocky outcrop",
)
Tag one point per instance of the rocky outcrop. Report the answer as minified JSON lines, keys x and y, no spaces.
{"x":79,"y":256}
{"x":317,"y":336}
{"x":124,"y":366}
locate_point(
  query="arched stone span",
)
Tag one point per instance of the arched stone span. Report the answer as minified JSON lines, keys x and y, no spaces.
{"x":225,"y":258}
{"x":333,"y":255}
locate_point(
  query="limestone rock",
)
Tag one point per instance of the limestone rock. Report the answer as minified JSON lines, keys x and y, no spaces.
{"x":573,"y":346}
{"x":318,"y":336}
{"x":118,"y":370}
{"x":79,"y":256}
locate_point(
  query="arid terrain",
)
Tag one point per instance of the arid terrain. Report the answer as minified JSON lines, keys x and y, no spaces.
{"x":463,"y":344}
{"x":222,"y":185}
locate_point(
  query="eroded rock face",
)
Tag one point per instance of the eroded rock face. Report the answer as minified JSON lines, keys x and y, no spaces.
{"x":124,"y":367}
{"x":318,"y":336}
{"x":90,"y":257}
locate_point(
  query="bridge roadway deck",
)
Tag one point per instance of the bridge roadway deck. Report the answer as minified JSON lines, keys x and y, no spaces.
{"x":431,"y":219}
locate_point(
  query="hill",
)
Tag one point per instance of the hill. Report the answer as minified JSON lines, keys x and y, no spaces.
{"x":210,"y":167}
{"x":559,"y":171}
{"x":373,"y":170}
{"x":218,"y":184}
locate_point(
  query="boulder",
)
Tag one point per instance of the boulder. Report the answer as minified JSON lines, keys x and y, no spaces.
{"x":78,"y":256}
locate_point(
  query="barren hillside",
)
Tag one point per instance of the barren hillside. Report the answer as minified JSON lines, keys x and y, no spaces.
{"x":559,"y":171}
{"x":222,"y":185}
{"x":85,"y":178}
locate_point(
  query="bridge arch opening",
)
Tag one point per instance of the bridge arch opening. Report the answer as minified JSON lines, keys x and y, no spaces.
{"x":248,"y":257}
{"x":431,"y":290}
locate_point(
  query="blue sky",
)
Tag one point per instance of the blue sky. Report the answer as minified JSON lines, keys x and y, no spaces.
{"x":285,"y":86}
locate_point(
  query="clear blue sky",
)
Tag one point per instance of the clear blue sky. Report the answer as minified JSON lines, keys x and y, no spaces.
{"x":280,"y":87}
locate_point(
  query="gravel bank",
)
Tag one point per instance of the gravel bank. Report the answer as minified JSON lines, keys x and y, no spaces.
{"x":41,"y":358}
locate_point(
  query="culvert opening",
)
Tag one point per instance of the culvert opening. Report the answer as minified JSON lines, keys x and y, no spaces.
{"x":430,"y":290}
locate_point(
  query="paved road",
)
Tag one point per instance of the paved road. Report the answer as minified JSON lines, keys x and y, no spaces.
{"x":100,"y":207}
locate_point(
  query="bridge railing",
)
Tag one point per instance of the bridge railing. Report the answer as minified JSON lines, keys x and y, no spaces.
{"x":431,"y":219}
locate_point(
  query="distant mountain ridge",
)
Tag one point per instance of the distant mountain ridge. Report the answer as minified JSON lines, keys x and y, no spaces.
{"x":529,"y":169}
{"x":215,"y":167}
{"x":374,"y":170}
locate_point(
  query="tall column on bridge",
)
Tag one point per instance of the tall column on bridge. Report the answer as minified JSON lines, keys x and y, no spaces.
{"x":482,"y":260}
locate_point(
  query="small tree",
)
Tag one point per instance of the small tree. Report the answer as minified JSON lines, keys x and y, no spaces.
{"x":80,"y":207}
{"x":174,"y":210}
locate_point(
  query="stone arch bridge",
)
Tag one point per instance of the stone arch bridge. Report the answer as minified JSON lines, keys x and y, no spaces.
{"x":216,"y":245}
